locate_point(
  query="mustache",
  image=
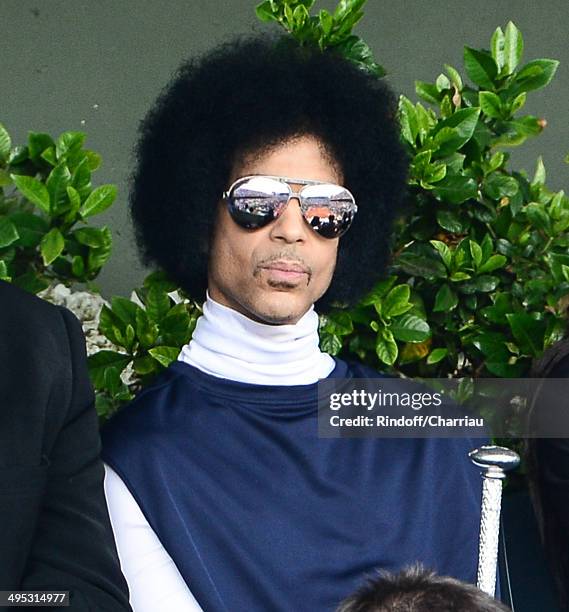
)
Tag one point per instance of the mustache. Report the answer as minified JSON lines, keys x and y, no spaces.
{"x":283,"y":256}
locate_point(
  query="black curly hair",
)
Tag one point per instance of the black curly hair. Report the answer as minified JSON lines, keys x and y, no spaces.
{"x":243,"y":98}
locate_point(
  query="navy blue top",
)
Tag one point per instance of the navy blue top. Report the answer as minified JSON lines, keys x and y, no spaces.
{"x":259,"y":514}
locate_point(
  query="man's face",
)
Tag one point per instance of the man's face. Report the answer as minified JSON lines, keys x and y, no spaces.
{"x":250,"y":270}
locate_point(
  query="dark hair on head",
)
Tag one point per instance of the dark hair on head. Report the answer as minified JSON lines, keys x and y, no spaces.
{"x":240,"y":99}
{"x":415,"y":589}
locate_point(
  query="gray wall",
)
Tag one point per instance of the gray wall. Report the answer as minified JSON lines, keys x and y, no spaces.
{"x":97,"y":65}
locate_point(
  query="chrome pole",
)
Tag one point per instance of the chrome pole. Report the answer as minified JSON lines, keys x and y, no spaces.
{"x":495,"y":461}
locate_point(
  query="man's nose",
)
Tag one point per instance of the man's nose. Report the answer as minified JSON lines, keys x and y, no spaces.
{"x":290,"y":226}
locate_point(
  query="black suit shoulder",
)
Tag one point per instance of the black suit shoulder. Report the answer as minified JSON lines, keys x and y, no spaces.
{"x":56,"y":530}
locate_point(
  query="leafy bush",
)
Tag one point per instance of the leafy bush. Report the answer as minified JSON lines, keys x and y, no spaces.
{"x":479,"y":281}
{"x":326,"y":29}
{"x":45,"y":191}
{"x":148,"y":331}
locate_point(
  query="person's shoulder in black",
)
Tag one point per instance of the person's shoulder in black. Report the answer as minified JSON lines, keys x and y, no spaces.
{"x":548,"y":465}
{"x":55,"y":532}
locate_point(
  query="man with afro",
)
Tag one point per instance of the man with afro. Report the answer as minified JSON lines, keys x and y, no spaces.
{"x":268,"y":177}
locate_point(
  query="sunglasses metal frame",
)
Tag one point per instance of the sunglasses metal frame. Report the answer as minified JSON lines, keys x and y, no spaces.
{"x":292,"y":194}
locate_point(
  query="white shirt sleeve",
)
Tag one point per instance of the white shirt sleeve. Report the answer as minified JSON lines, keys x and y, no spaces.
{"x":154,"y":582}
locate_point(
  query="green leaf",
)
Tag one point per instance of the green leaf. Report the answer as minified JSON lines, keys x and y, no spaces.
{"x":535,"y":75}
{"x":31,"y":282}
{"x":264,"y":11}
{"x":492,"y":263}
{"x":495,"y":162}
{"x":497,"y":48}
{"x":130,"y":336}
{"x":456,"y":189}
{"x":443,"y":251}
{"x":559,"y":205}
{"x":110,"y":325}
{"x":527,"y":126}
{"x":396,"y":302}
{"x":331,"y":344}
{"x":157,"y":303}
{"x":483,"y":284}
{"x":144,"y":365}
{"x":81,"y":179}
{"x":175,"y":325}
{"x":437,"y":355}
{"x":326,"y":21}
{"x":56,"y":184}
{"x":513,"y":48}
{"x":51,"y":246}
{"x":18,"y":155}
{"x":164,"y":355}
{"x":476,"y":253}
{"x":410,"y":328}
{"x":99,"y":200}
{"x":38,"y":142}
{"x":480,"y":67}
{"x":33,"y":190}
{"x":450,"y":221}
{"x":161,"y":280}
{"x":442,"y":82}
{"x":490,"y":104}
{"x":528,"y":332}
{"x":146,"y":331}
{"x":379,"y":290}
{"x":408,"y":120}
{"x":538,"y":217}
{"x":68,"y":143}
{"x":416,"y":264}
{"x":93,"y":160}
{"x":300,"y":16}
{"x":428,"y":92}
{"x":4,"y":272}
{"x":463,"y":122}
{"x":99,"y":256}
{"x":78,"y":266}
{"x":386,"y":347}
{"x":31,"y":228}
{"x":518,"y":103}
{"x":74,"y":199}
{"x":492,"y":345}
{"x":91,"y":236}
{"x":340,"y":323}
{"x":498,"y":185}
{"x":435,"y":172}
{"x":540,"y":173}
{"x":8,"y":232}
{"x":447,"y":108}
{"x":455,"y":78}
{"x":5,"y":143}
{"x":125,"y":310}
{"x":101,"y":360}
{"x":445,"y":300}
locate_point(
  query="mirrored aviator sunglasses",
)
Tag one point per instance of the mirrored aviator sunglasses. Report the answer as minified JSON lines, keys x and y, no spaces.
{"x":255,"y":201}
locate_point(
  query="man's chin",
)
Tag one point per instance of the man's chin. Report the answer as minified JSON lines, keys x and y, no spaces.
{"x":281,"y":308}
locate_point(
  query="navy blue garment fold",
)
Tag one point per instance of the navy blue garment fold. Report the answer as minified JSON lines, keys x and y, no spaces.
{"x":259,"y":514}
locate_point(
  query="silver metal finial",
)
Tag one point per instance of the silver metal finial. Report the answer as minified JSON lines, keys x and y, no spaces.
{"x":495,"y":461}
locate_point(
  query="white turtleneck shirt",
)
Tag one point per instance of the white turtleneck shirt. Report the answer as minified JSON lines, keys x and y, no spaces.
{"x":229,"y":345}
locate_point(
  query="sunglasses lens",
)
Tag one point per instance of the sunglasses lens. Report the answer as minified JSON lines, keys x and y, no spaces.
{"x":256,"y":201}
{"x":329,"y":209}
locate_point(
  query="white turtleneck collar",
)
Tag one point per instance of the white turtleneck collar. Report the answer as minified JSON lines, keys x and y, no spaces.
{"x":227,"y":344}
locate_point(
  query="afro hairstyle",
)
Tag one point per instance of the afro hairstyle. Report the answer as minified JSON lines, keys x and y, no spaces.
{"x":241,"y":99}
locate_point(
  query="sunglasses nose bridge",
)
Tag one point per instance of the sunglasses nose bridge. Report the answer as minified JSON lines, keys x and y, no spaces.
{"x":296,"y":195}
